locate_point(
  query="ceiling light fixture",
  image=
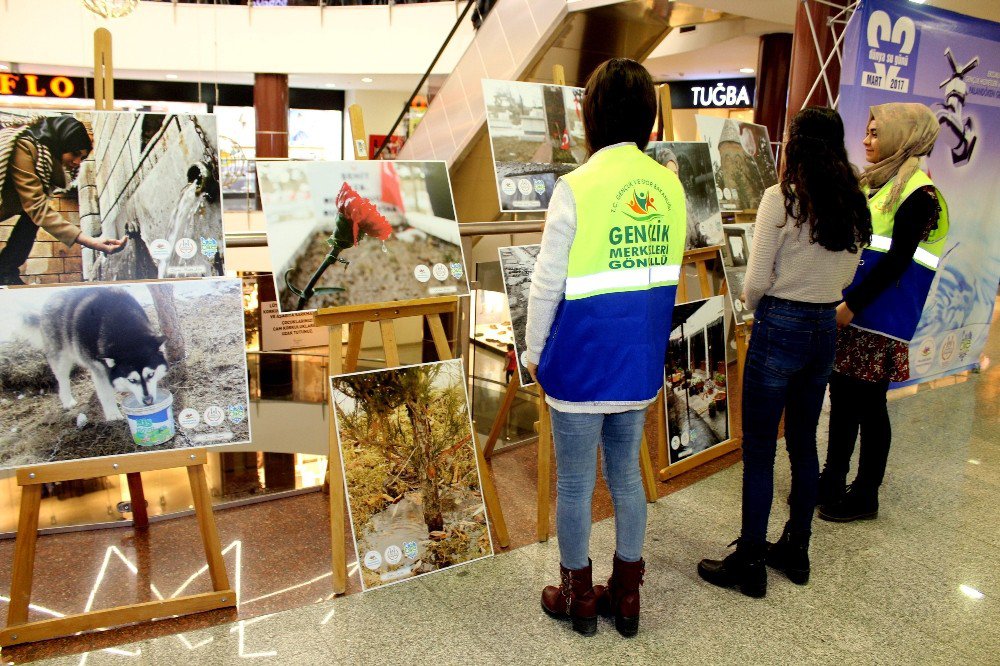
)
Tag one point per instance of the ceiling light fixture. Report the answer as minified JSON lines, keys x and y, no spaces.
{"x":746,"y":70}
{"x":4,"y":67}
{"x":367,"y":79}
{"x":329,"y":85}
{"x":111,"y":8}
{"x":170,"y":76}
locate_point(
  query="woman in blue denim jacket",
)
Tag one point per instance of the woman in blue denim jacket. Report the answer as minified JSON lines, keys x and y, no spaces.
{"x":807,"y":239}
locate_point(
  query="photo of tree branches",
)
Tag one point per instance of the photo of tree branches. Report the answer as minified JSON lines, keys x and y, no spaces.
{"x":410,"y":470}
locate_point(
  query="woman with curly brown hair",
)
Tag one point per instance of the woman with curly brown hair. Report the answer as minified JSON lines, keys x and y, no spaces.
{"x":809,"y":232}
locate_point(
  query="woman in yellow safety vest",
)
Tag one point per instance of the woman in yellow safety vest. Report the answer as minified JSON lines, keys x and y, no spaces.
{"x":599,"y":312}
{"x":882,"y":307}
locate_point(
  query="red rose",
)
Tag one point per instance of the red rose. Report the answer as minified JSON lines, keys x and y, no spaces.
{"x":364,"y":218}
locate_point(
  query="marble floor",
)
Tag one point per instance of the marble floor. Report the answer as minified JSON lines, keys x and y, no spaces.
{"x":919,"y":585}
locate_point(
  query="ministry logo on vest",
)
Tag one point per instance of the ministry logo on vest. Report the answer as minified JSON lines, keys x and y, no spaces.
{"x":643,"y":239}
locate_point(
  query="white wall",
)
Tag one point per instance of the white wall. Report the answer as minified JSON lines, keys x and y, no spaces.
{"x":205,"y":38}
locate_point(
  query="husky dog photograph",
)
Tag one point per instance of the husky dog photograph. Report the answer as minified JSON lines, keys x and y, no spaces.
{"x":354,"y":233}
{"x":151,"y":179}
{"x":517,"y":265}
{"x":90,"y":371}
{"x":536,"y":135}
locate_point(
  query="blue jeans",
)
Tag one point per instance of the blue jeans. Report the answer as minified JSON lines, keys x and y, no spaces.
{"x":788,"y":365}
{"x":576,"y":438}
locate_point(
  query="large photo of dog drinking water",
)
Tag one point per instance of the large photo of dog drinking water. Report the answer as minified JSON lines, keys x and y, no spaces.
{"x":90,"y":371}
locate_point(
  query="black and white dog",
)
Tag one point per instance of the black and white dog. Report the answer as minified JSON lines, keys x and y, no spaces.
{"x":106,"y":331}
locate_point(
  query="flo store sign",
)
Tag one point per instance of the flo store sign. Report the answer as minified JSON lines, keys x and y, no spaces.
{"x":713,"y":93}
{"x":37,"y":85}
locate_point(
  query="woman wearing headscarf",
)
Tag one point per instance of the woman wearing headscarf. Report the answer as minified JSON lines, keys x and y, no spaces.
{"x":32,"y":162}
{"x":882,"y":307}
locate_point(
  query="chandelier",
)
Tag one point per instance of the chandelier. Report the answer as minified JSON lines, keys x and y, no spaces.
{"x":111,"y":8}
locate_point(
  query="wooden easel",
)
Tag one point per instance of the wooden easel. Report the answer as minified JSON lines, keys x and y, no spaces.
{"x":699,"y":257}
{"x":341,"y":361}
{"x":31,"y":479}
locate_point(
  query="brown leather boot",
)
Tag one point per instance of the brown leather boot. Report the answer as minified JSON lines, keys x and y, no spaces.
{"x":573,"y":599}
{"x":621,"y":597}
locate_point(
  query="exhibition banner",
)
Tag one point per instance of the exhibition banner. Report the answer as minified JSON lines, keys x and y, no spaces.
{"x":899,"y":51}
{"x":357,"y":233}
{"x":92,"y":371}
{"x":410,"y":471}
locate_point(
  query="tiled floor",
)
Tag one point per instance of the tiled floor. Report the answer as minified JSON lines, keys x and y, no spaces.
{"x":886,"y":591}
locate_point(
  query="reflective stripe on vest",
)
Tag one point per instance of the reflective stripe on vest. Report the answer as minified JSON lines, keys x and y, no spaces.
{"x":896,"y":311}
{"x":609,"y":337}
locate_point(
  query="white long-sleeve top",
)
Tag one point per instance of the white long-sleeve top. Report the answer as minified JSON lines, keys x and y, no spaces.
{"x":785,"y":264}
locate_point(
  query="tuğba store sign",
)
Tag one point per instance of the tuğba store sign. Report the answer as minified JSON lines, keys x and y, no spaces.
{"x":713,"y":94}
{"x":37,"y":85}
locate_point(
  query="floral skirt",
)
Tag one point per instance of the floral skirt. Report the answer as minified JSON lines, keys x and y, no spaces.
{"x":871,"y":357}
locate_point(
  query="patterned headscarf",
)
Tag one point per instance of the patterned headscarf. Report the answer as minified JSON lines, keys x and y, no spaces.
{"x":906,"y":131}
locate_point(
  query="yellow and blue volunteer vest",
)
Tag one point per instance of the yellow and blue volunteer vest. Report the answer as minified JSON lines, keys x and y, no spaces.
{"x":608,"y":340}
{"x":896,"y":311}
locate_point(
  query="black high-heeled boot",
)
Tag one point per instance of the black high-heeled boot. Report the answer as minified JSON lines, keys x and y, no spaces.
{"x":790,"y":555}
{"x":743,"y":568}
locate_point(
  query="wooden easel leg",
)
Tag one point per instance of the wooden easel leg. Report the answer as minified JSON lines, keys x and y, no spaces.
{"x":388,"y":327}
{"x":355,"y":333}
{"x":661,"y":426}
{"x":508,"y":399}
{"x":206,"y":525}
{"x":490,"y":496}
{"x":334,"y":470}
{"x":440,"y":338}
{"x":648,"y":475}
{"x":544,"y":465}
{"x":24,"y":555}
{"x":137,"y":497}
{"x":706,"y":286}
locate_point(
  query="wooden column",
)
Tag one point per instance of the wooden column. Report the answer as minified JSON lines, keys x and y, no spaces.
{"x":774,"y":59}
{"x":270,"y":103}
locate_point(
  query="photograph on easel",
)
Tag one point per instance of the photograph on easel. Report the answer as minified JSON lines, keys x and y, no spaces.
{"x":536,"y":135}
{"x":150,"y":180}
{"x":410,"y":471}
{"x":517,"y":264}
{"x":742,"y":161}
{"x":695,"y":378}
{"x":357,"y":233}
{"x":735,"y":256}
{"x":93,"y":371}
{"x":692,"y":163}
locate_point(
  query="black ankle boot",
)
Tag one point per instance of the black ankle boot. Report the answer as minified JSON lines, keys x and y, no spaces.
{"x":856,"y":504}
{"x":790,"y":555}
{"x":743,"y":569}
{"x":831,"y":488}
